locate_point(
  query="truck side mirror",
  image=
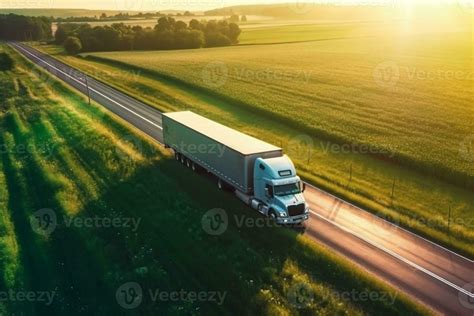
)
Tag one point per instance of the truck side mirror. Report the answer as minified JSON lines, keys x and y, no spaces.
{"x":269,"y":191}
{"x":303,"y":186}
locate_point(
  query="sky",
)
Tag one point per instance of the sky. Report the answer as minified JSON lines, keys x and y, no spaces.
{"x":192,"y":5}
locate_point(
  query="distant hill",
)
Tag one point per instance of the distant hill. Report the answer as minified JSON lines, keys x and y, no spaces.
{"x":307,"y":11}
{"x":62,"y":13}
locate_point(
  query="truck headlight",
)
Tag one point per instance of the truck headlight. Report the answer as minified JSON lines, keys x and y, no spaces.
{"x":282,"y":214}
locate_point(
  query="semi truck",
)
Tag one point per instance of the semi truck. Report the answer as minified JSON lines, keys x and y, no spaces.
{"x":259,"y":173}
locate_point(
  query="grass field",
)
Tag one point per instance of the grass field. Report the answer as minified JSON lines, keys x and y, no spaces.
{"x":399,"y":147}
{"x":78,"y":162}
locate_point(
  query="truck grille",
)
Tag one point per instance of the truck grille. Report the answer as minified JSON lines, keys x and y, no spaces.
{"x":294,"y":210}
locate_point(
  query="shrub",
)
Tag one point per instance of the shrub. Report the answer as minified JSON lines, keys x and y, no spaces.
{"x":6,"y":62}
{"x":72,"y":45}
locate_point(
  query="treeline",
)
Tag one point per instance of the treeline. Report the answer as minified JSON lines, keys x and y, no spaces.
{"x":117,"y":17}
{"x":167,"y":34}
{"x":24,"y":28}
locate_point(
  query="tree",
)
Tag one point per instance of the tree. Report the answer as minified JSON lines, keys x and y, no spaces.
{"x":195,"y":39}
{"x":195,"y":25}
{"x":180,"y":25}
{"x":6,"y":62}
{"x":216,"y":40}
{"x":72,"y":45}
{"x":233,"y":33}
{"x":234,"y":18}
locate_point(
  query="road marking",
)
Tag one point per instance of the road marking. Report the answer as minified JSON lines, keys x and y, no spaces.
{"x":388,"y":251}
{"x":397,"y":256}
{"x":399,"y":227}
{"x":80,"y":82}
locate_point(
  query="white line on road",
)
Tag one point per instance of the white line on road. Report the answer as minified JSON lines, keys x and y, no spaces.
{"x":388,"y":251}
{"x":399,"y":227}
{"x":80,"y":82}
{"x":397,"y":256}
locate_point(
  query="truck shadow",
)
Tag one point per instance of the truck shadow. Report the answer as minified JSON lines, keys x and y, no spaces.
{"x":172,"y":248}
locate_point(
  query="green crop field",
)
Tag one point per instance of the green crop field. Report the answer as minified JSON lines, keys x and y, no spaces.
{"x":73,"y":161}
{"x":384,"y":122}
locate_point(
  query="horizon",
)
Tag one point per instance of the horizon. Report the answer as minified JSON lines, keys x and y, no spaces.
{"x":204,"y":5}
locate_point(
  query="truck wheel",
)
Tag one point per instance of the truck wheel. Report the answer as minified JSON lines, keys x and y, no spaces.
{"x":272,"y":215}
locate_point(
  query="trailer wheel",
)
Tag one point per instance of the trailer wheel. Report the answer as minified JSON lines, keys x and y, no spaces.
{"x":188,"y":163}
{"x":182,"y":159}
{"x":220,"y":184}
{"x":194,"y":167}
{"x":177,"y":156}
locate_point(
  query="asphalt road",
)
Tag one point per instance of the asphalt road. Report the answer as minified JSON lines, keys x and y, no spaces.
{"x":440,"y":278}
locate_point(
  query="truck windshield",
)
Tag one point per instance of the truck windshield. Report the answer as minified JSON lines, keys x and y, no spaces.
{"x":287,"y":189}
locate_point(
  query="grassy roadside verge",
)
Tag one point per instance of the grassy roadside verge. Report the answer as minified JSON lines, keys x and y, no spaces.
{"x":100,"y":167}
{"x":409,"y":198}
